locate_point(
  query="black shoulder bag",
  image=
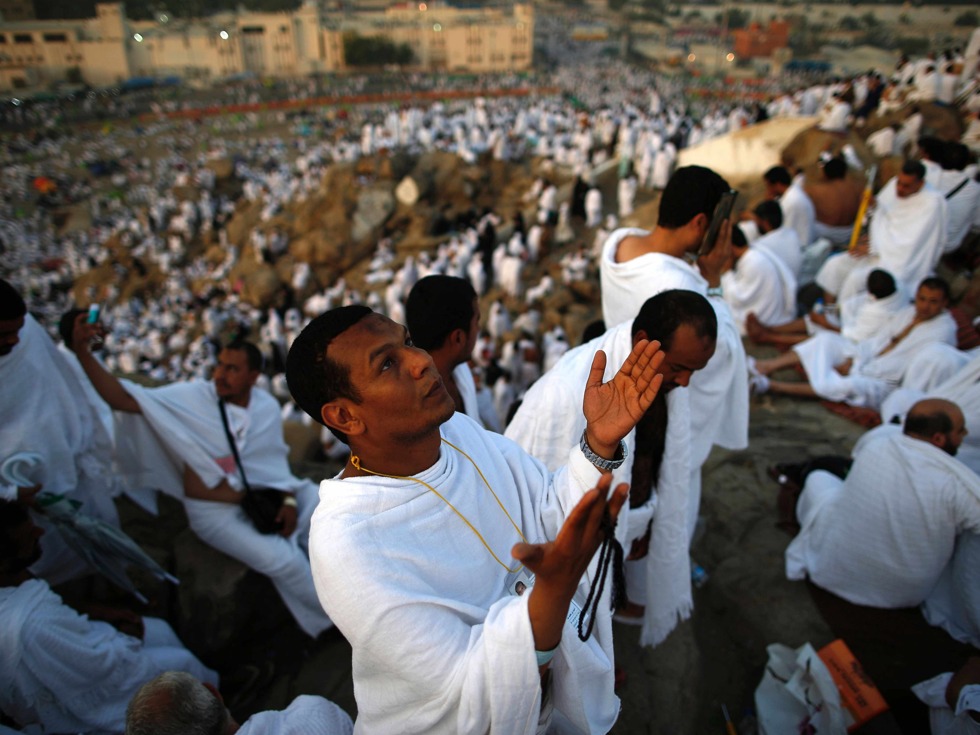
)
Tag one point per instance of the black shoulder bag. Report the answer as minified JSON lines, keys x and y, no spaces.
{"x":261,"y":505}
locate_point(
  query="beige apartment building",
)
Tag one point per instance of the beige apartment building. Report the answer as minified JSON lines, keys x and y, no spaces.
{"x":109,"y":48}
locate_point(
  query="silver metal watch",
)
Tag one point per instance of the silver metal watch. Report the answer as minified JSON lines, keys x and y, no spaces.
{"x":607,"y":465}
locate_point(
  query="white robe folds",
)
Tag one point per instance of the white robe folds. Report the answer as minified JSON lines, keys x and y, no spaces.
{"x":863,"y":316}
{"x":467,"y":390}
{"x":799,"y":214}
{"x":906,"y":238}
{"x":45,"y":410}
{"x":784,"y":243}
{"x":186,"y":424}
{"x":305,"y":715}
{"x":439,"y":646}
{"x":550,"y":422}
{"x":762,"y":284}
{"x":872,"y":377}
{"x":719,"y":393}
{"x":883,"y":536}
{"x":71,"y":674}
{"x":962,"y":388}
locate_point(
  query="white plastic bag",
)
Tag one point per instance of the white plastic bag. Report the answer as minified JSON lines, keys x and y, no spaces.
{"x":797,"y":695}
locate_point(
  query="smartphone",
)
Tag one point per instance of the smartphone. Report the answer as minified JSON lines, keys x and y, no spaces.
{"x":93,"y":314}
{"x":723,"y":211}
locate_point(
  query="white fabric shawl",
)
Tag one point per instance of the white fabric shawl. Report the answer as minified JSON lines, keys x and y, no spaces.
{"x":963,"y":389}
{"x":863,"y":316}
{"x":907,"y":235}
{"x":883,"y":536}
{"x":784,"y":243}
{"x":45,"y":411}
{"x":871,"y":378}
{"x":550,"y":422}
{"x":719,"y":393}
{"x":762,"y":284}
{"x":71,"y":674}
{"x":799,"y":213}
{"x":305,"y":715}
{"x":961,"y":208}
{"x":439,"y":646}
{"x":467,"y":390}
{"x":185,"y":419}
{"x":954,"y":603}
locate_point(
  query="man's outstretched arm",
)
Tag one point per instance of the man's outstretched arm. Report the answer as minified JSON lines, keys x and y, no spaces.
{"x":105,"y":384}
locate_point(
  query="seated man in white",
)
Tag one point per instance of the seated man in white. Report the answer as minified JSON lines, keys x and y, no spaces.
{"x":657,"y":466}
{"x":443,"y":315}
{"x":424,"y":546}
{"x":176,"y":702}
{"x":195,"y":422}
{"x":864,"y":374}
{"x":799,"y":213}
{"x":45,"y":411}
{"x":759,"y":282}
{"x":883,"y":536}
{"x":962,"y":192}
{"x":859,"y":317}
{"x":905,"y":237}
{"x":65,"y":671}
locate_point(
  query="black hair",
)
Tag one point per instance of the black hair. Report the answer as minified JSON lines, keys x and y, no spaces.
{"x":932,"y":147}
{"x":881,"y":283}
{"x":593,"y":330}
{"x":313,"y":378}
{"x":437,"y":306}
{"x":835,"y":168}
{"x":12,"y":305}
{"x":661,"y":315}
{"x":252,"y":353}
{"x":691,"y":191}
{"x":770,"y":212}
{"x":935,"y":283}
{"x":739,"y":239}
{"x":778,"y":175}
{"x":956,"y":156}
{"x":914,"y":168}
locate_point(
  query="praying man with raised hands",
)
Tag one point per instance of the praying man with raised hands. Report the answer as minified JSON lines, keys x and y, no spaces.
{"x":420,"y":544}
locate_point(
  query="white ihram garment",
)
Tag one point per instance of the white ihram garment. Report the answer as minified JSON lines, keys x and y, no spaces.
{"x":72,"y":674}
{"x":962,"y":388}
{"x":439,"y":646}
{"x":305,"y":715}
{"x":871,"y":377}
{"x":883,"y":536}
{"x":784,"y":243}
{"x":761,"y":284}
{"x":906,"y":238}
{"x":719,"y":393}
{"x":187,"y":428}
{"x":550,"y":422}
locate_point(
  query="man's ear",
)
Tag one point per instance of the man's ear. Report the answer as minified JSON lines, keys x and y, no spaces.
{"x":340,"y":415}
{"x":939,"y":439}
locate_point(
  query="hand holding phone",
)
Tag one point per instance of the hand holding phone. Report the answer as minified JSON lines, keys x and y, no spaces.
{"x":723,"y":211}
{"x":93,"y":314}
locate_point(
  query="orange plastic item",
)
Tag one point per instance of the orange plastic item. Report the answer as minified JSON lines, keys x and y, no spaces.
{"x":858,"y":695}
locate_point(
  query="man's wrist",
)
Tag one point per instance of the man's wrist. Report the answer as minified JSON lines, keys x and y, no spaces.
{"x":605,"y":457}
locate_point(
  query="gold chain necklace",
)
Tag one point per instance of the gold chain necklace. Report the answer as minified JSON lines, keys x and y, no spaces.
{"x":356,"y":462}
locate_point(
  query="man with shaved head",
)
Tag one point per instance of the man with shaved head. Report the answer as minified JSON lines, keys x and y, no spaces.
{"x":883,"y":536}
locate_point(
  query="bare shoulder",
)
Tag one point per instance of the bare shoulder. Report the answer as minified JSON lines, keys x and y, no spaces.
{"x":631,"y":246}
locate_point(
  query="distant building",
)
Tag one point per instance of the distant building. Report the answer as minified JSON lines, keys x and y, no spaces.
{"x":109,"y":48}
{"x":14,"y":10}
{"x":754,"y":41}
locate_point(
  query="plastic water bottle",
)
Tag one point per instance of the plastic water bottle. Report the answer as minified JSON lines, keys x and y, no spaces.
{"x":699,"y":577}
